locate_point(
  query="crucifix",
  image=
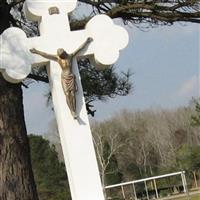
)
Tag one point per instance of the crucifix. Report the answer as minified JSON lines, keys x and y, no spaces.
{"x":68,"y":79}
{"x":19,"y":53}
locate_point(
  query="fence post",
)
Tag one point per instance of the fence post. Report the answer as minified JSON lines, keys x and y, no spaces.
{"x":155,"y":186}
{"x":145,"y":183}
{"x":183,"y":182}
{"x":123,"y":193}
{"x":134,"y":191}
{"x":185,"y":185}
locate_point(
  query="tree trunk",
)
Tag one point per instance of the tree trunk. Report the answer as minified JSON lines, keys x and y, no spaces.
{"x":16,"y":177}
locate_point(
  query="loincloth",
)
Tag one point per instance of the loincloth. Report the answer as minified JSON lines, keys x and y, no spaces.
{"x":68,"y":82}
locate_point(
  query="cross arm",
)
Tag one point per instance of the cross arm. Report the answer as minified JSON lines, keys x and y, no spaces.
{"x":43,"y":54}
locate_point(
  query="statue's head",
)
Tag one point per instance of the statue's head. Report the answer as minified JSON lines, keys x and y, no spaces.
{"x":62,"y":53}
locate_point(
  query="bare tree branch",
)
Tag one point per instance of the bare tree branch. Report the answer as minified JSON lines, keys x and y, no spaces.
{"x":38,"y":78}
{"x":153,"y":12}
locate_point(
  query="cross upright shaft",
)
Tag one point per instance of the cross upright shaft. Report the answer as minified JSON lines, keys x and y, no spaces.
{"x":76,"y":138}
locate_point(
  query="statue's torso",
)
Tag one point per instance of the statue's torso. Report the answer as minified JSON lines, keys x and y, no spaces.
{"x":66,"y":65}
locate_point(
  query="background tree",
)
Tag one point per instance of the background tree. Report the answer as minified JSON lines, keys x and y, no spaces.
{"x":150,"y":12}
{"x":106,"y":147}
{"x":196,"y":116}
{"x":50,"y":174}
{"x":150,"y":140}
{"x":188,"y":158}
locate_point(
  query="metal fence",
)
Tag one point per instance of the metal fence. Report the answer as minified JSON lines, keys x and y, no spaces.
{"x":149,"y":188}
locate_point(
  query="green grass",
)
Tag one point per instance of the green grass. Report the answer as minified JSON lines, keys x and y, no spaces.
{"x":195,"y":197}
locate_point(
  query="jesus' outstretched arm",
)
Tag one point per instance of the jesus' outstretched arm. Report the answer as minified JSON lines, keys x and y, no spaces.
{"x":82,"y":46}
{"x":45,"y":55}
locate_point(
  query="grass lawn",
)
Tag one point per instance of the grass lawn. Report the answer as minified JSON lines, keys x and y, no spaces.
{"x":194,"y":197}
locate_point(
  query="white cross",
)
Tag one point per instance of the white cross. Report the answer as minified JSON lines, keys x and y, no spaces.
{"x":16,"y":62}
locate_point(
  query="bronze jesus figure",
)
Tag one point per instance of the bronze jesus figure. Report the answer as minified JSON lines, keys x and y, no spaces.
{"x":68,"y":79}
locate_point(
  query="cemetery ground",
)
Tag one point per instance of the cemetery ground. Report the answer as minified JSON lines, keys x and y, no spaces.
{"x":192,"y":196}
{"x":195,"y":197}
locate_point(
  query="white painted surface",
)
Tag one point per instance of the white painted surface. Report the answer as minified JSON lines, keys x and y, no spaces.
{"x":76,"y":140}
{"x":15,"y":59}
{"x":15,"y":64}
{"x":36,"y":9}
{"x":109,"y":39}
{"x":105,"y":46}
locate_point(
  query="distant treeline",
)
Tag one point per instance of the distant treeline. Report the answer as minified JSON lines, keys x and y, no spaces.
{"x":149,"y":143}
{"x":130,"y":146}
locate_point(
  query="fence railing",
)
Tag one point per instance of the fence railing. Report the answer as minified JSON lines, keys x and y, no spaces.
{"x":148,"y":188}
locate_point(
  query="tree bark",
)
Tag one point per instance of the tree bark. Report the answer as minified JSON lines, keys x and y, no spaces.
{"x":16,"y":177}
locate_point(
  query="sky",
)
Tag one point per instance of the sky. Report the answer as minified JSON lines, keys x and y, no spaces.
{"x":165,"y":64}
